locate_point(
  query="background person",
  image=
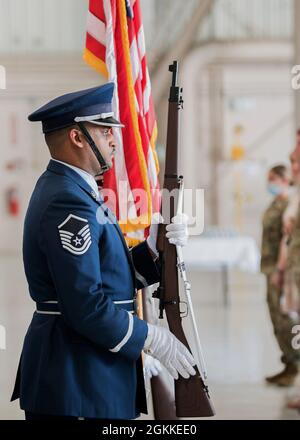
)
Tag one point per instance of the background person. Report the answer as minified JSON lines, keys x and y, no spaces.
{"x":272,"y":265}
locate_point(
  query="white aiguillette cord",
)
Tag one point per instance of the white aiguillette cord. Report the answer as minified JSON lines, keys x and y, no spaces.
{"x":187,"y":289}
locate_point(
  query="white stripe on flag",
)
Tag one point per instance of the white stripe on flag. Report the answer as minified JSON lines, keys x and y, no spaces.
{"x":135,"y":61}
{"x":152,"y":173}
{"x":147,"y":93}
{"x":120,"y":165}
{"x":96,"y":28}
{"x":141,"y":43}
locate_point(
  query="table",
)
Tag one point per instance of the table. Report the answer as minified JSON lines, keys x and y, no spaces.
{"x":218,"y":251}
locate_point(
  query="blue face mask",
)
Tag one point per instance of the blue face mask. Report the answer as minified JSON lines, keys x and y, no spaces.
{"x":274,"y":189}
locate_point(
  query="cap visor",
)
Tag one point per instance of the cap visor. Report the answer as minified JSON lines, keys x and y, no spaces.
{"x":108,"y":122}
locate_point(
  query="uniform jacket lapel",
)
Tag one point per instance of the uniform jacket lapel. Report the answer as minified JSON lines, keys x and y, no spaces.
{"x":114,"y":221}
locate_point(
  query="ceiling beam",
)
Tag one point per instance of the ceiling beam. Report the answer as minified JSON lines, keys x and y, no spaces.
{"x":159,"y":75}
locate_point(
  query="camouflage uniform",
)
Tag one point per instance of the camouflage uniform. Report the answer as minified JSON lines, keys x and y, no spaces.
{"x":272,"y":236}
{"x":293,"y":262}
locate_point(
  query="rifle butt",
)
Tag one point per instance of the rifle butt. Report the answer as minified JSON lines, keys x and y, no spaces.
{"x":163,"y":399}
{"x":192,"y":398}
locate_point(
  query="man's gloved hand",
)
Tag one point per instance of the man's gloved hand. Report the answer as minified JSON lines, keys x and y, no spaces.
{"x":173,"y":355}
{"x":152,"y":367}
{"x":177,"y":231}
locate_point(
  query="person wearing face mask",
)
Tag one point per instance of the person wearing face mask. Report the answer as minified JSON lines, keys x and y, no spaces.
{"x":290,"y":295}
{"x":292,"y":289}
{"x":272,"y":265}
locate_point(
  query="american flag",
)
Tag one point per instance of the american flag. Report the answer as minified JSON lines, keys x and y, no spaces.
{"x":115,"y":46}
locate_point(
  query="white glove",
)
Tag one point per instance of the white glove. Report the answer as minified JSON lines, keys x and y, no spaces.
{"x":152,"y":367}
{"x":165,"y":347}
{"x":177,"y":231}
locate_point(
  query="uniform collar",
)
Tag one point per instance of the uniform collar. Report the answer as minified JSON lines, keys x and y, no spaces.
{"x":79,"y":178}
{"x":86,"y":176}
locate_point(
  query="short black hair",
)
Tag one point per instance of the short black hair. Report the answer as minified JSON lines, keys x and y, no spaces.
{"x":280,"y":171}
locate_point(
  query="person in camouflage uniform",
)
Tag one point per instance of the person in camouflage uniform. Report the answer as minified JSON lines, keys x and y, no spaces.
{"x":272,"y":239}
{"x":293,"y":256}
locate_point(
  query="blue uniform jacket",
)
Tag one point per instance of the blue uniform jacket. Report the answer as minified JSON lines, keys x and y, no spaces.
{"x":83,"y":358}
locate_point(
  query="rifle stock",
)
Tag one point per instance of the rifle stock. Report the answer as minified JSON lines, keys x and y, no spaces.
{"x":163,"y":399}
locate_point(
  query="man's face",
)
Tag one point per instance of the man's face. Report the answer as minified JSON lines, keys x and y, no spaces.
{"x":105,"y":142}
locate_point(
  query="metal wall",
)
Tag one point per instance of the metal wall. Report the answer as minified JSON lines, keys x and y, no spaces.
{"x":42,"y":25}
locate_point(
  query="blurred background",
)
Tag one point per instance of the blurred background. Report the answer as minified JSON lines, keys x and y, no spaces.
{"x":240,"y":117}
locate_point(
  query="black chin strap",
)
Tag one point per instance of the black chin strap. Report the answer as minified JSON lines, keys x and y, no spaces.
{"x":103,"y":164}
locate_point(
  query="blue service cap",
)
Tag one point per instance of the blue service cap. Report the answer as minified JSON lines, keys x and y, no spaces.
{"x":91,"y":105}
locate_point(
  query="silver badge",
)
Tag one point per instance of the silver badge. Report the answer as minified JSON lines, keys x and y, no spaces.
{"x":75,"y":234}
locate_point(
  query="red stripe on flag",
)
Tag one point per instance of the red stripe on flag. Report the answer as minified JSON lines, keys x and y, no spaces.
{"x":139,"y":96}
{"x":150,"y":117}
{"x":144,"y":70}
{"x":95,"y":47}
{"x":110,"y":177}
{"x":140,"y":126}
{"x":96,"y":8}
{"x":130,"y":151}
{"x":111,"y":183}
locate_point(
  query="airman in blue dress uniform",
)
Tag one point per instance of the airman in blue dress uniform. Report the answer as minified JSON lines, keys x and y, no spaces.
{"x":81,"y":356}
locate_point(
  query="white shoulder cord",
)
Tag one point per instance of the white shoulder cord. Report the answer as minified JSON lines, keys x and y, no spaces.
{"x":187,"y":290}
